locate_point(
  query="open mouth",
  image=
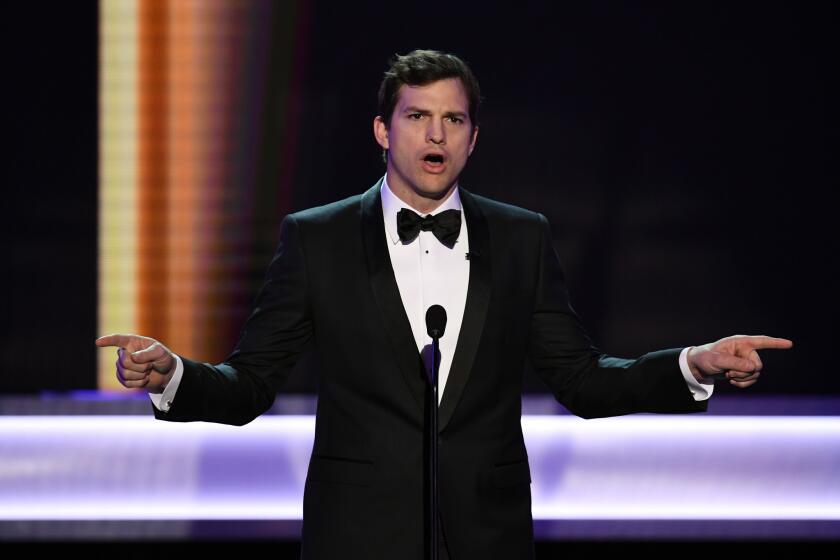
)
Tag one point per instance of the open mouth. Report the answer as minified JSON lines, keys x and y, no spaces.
{"x":434,"y":163}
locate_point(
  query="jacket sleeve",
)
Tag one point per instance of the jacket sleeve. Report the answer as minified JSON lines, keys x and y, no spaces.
{"x":274,"y":336}
{"x":585,"y":380}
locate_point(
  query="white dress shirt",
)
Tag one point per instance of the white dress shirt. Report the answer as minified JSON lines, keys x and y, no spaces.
{"x":428,"y":273}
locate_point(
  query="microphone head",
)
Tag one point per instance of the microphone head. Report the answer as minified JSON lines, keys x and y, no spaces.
{"x":435,"y":321}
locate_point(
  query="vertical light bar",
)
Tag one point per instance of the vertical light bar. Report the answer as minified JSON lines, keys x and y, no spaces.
{"x":179,"y":181}
{"x":154,"y":159}
{"x":184,"y":195}
{"x":117,"y":175}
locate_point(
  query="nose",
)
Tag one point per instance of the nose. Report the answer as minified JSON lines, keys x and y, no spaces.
{"x":435,"y":133}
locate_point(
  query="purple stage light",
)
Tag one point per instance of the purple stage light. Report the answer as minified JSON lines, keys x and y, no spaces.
{"x":632,"y":468}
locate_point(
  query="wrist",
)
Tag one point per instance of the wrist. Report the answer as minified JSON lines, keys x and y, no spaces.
{"x":695,"y":371}
{"x":169,"y":374}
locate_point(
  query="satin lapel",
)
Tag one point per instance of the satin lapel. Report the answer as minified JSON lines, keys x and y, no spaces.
{"x":475,"y":311}
{"x":387,"y":296}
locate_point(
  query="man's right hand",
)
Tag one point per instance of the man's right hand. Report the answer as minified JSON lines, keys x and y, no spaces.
{"x":142,"y":362}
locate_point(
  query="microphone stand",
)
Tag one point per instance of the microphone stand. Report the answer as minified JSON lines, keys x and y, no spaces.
{"x":435,"y":327}
{"x":433,"y":453}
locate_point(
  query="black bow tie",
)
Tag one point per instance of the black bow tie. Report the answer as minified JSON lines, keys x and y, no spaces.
{"x":446,"y":226}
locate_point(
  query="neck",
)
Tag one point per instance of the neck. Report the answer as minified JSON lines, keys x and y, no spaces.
{"x":422,"y":202}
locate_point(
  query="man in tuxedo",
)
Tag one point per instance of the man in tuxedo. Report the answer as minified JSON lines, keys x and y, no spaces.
{"x":355,"y":278}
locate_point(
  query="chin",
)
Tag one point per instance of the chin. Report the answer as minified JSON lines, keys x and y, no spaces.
{"x":434,"y":190}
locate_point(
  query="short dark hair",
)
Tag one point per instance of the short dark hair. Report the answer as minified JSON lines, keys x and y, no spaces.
{"x":422,"y":67}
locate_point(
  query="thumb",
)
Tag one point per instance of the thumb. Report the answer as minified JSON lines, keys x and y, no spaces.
{"x":156,"y":353}
{"x":730,"y":362}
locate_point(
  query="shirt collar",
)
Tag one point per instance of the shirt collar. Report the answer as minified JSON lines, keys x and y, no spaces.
{"x":391,"y":204}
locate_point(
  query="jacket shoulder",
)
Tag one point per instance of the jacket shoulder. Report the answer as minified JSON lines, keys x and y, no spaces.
{"x":331,"y":213}
{"x":504,"y":212}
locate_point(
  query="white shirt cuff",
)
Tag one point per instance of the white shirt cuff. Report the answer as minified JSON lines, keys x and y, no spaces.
{"x":699,"y":391}
{"x":163,"y":401}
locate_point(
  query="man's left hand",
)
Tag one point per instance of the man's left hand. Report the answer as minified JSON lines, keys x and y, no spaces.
{"x":734,"y":358}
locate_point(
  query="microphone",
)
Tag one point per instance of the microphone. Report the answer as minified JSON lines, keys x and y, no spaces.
{"x":435,"y":321}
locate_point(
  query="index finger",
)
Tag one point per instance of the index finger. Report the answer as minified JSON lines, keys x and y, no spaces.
{"x":760,"y":342}
{"x":121,"y":340}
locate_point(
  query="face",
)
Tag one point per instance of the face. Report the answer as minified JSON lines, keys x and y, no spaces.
{"x":428,"y":141}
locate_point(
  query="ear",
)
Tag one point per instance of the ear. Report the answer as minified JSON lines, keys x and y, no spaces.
{"x":473,"y":140}
{"x":380,"y":132}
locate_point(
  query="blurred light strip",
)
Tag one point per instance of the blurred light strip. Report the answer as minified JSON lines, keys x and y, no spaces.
{"x":118,"y":110}
{"x":644,"y":467}
{"x":190,"y":32}
{"x":648,"y":467}
{"x":183,"y":85}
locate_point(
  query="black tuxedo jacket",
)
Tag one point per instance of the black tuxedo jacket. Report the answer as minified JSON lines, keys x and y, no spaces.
{"x":331,"y":283}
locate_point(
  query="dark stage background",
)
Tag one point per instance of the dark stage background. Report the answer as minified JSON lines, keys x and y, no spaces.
{"x":681,"y":153}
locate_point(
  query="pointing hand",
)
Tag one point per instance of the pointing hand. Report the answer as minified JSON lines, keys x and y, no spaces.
{"x":142,"y":362}
{"x":734,"y":357}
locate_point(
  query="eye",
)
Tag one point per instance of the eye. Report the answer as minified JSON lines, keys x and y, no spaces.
{"x":415,"y":116}
{"x":456,"y":120}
